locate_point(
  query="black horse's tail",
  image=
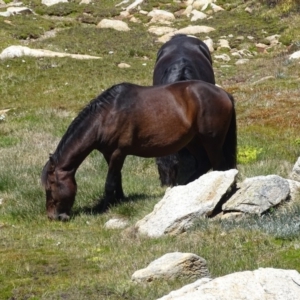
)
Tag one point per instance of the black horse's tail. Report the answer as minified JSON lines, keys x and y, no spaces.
{"x":230,"y":144}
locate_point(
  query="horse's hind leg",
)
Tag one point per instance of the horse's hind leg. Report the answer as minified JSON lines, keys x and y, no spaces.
{"x":168,"y":169}
{"x":213,"y":148}
{"x":203,"y":162}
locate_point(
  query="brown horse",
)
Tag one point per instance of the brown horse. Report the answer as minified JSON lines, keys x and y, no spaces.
{"x":183,"y":57}
{"x":128,"y":119}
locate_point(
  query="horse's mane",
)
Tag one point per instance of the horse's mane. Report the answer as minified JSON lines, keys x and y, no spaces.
{"x":85,"y":116}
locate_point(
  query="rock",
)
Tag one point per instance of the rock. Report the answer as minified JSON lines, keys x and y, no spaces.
{"x":295,"y":55}
{"x":258,"y":194}
{"x":182,"y":205}
{"x":16,"y":11}
{"x":264,"y":79}
{"x":273,"y":39}
{"x":187,"y":12}
{"x":159,"y":30}
{"x":171,"y":266}
{"x":19,"y":51}
{"x":160,"y":16}
{"x":210,"y":44}
{"x":242,"y":61}
{"x":249,"y":10}
{"x":52,"y":2}
{"x":114,"y":24}
{"x":261,"y":284}
{"x":192,"y":30}
{"x":123,"y":65}
{"x":216,"y":8}
{"x":134,"y":5}
{"x":116,"y":223}
{"x":85,"y":1}
{"x":223,"y":44}
{"x":261,"y":47}
{"x":294,"y":191}
{"x":295,"y":174}
{"x":223,"y":57}
{"x":197,"y":15}
{"x":201,"y":4}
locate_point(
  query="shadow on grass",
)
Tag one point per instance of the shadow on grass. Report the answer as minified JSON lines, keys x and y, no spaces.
{"x":97,"y":208}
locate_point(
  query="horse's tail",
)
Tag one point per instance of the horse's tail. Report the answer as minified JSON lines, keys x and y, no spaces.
{"x":230,"y":144}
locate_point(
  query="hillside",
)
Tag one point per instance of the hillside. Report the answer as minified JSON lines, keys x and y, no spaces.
{"x":251,"y":44}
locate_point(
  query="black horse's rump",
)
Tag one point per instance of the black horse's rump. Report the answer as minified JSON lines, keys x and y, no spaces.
{"x":182,"y":58}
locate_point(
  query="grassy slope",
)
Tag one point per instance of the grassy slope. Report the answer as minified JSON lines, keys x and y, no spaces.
{"x":81,"y":259}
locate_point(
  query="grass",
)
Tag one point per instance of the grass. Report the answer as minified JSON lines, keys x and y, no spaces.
{"x":81,"y":259}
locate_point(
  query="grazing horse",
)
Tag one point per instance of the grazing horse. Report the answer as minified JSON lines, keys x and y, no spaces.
{"x":181,"y":58}
{"x":129,"y":119}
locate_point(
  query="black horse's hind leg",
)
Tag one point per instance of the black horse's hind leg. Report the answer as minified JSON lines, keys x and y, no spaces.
{"x":203,"y":162}
{"x":113,"y":184}
{"x":168,"y":169}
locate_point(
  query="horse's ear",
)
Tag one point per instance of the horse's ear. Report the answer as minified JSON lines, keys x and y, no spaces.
{"x":51,"y":163}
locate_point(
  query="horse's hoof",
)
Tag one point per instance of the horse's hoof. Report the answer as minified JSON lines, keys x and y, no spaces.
{"x":63,"y":217}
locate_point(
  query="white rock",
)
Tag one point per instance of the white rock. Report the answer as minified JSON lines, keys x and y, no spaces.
{"x":224,"y":57}
{"x":123,"y":65}
{"x":197,"y":15}
{"x":210,"y":44}
{"x":261,"y":284}
{"x":181,"y":205}
{"x":242,"y":61}
{"x":189,"y":30}
{"x":223,"y":44}
{"x":258,"y":194}
{"x":216,"y":8}
{"x":114,"y":24}
{"x":295,"y":55}
{"x":161,"y":30}
{"x":116,"y":223}
{"x":52,"y":2}
{"x":171,"y":266}
{"x":160,"y":16}
{"x":19,"y":51}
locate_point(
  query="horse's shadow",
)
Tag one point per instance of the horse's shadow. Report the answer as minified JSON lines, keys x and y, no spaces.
{"x":98,"y":209}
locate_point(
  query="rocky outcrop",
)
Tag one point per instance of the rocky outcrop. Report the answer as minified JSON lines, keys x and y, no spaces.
{"x":261,"y":284}
{"x":209,"y":195}
{"x":258,"y":194}
{"x":181,"y":205}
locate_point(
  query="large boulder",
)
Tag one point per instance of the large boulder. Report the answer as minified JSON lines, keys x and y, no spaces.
{"x":182,"y":205}
{"x":261,"y":284}
{"x":258,"y":194}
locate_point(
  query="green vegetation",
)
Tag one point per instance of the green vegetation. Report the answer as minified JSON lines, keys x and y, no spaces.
{"x":81,"y":259}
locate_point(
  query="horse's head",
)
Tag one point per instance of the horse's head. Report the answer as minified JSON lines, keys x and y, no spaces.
{"x":60,"y":187}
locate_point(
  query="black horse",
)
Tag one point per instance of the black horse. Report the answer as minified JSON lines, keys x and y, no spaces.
{"x":181,"y":58}
{"x":124,"y":120}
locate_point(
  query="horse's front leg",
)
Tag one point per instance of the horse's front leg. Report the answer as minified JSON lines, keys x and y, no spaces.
{"x":113,"y":183}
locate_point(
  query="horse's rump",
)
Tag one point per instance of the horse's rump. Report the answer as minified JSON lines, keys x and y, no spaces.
{"x":182,"y":58}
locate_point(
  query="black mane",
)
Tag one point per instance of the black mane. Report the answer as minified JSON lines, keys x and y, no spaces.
{"x":86,"y":116}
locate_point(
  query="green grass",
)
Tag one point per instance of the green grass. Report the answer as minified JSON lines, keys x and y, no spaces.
{"x":81,"y":259}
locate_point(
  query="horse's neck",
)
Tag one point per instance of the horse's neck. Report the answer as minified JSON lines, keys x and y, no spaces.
{"x":74,"y":151}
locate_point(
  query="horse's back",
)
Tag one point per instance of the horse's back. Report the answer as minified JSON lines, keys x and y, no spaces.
{"x":183,"y":58}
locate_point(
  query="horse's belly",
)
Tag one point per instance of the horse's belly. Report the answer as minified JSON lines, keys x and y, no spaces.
{"x":160,"y":145}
